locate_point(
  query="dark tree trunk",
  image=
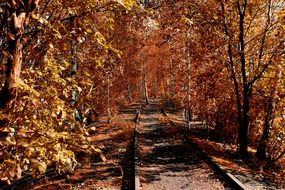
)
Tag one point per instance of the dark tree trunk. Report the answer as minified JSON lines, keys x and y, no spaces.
{"x":243,"y":127}
{"x":244,"y":123}
{"x":261,"y":150}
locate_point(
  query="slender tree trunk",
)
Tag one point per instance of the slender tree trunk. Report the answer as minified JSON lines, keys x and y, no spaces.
{"x":109,"y":113}
{"x":189,"y":113}
{"x":164,"y":86}
{"x":247,"y":89}
{"x":139,"y":90}
{"x":172,"y":85}
{"x":154,"y":88}
{"x":145,"y":88}
{"x":142,"y":95}
{"x":129,"y":90}
{"x":144,"y":82}
{"x":172,"y":82}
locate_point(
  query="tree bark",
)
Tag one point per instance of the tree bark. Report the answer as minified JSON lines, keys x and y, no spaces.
{"x":129,"y":90}
{"x":172,"y":82}
{"x":261,"y":150}
{"x":139,"y":90}
{"x":18,"y":17}
{"x":242,"y":99}
{"x":270,"y":116}
{"x":189,"y":112}
{"x":244,"y":123}
{"x":247,"y":89}
{"x":145,"y":88}
{"x":14,"y":62}
{"x":109,"y":113}
{"x":154,"y":88}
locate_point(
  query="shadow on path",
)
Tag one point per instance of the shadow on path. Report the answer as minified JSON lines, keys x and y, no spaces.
{"x":169,"y":161}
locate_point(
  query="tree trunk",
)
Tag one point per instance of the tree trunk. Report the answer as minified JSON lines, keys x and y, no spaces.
{"x":270,"y":116}
{"x":109,"y":113}
{"x":172,"y":82}
{"x":13,"y":71}
{"x":244,"y":123}
{"x":261,"y":150}
{"x":17,"y":21}
{"x":139,"y":89}
{"x":129,"y":90}
{"x":14,"y":62}
{"x":154,"y":87}
{"x":242,"y":100}
{"x":189,"y":114}
{"x":145,"y":88}
{"x":142,"y":95}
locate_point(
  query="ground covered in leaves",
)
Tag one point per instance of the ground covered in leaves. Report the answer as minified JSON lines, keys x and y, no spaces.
{"x":254,"y":173}
{"x":270,"y":175}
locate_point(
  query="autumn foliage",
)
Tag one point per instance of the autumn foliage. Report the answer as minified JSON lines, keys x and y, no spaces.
{"x":64,"y":63}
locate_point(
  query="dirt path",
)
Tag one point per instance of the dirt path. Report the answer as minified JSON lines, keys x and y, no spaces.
{"x":168,"y":162}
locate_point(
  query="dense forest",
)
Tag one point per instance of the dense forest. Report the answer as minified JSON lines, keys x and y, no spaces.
{"x":64,"y":64}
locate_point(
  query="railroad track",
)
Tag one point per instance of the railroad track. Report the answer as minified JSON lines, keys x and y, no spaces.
{"x":157,"y":161}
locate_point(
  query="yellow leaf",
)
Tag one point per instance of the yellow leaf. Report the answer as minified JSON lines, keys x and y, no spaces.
{"x":43,"y":21}
{"x":95,"y":149}
{"x":66,"y":63}
{"x":89,"y":31}
{"x":42,"y":167}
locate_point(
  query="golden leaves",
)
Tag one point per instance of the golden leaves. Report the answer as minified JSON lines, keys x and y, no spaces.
{"x":23,"y":86}
{"x":128,"y":4}
{"x":44,"y":121}
{"x":41,"y":129}
{"x":12,"y":171}
{"x":281,"y":17}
